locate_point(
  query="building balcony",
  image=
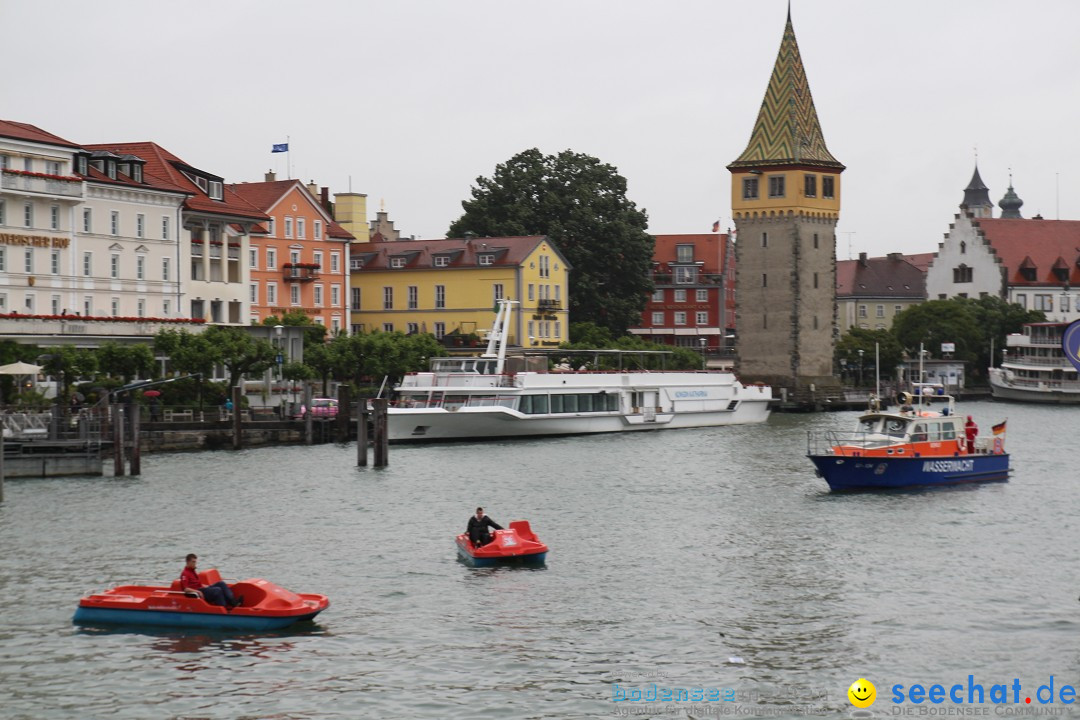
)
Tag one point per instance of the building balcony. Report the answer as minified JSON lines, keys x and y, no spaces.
{"x":42,"y":184}
{"x":301,"y":272}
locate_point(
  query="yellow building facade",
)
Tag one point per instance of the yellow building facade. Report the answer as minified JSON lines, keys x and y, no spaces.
{"x":449,"y":288}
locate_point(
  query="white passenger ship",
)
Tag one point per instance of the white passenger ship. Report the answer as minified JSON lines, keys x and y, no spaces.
{"x":1035,"y":368}
{"x":496,"y":396}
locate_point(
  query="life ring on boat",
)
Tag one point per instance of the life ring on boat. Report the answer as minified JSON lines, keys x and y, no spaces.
{"x":961,"y":444}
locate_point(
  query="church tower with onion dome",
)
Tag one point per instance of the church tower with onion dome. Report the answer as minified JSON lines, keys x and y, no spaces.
{"x":785,"y":200}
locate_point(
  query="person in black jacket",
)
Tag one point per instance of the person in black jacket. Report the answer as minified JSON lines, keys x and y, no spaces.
{"x":478,"y":528}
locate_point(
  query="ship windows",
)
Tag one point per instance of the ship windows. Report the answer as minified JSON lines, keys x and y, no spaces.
{"x":750,"y":188}
{"x":776,"y":186}
{"x":572,"y":403}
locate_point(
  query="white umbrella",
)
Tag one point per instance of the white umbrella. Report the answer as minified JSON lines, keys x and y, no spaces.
{"x":19,"y":368}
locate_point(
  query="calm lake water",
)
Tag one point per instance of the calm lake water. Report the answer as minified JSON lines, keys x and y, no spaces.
{"x":692,"y":558}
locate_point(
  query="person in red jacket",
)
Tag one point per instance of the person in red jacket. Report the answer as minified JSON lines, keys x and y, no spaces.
{"x":217,"y":594}
{"x":971,"y":430}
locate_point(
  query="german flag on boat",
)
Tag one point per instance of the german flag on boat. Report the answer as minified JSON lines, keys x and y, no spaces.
{"x":999,"y":437}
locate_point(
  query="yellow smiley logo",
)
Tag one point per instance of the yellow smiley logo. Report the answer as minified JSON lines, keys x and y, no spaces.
{"x":862,"y":693}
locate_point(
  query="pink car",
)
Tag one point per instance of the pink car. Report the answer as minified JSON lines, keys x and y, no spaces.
{"x":320,"y":408}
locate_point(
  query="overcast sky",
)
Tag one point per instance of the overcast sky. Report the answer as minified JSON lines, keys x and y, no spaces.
{"x":411,"y":100}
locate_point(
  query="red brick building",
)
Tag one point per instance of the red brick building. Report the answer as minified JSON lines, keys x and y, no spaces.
{"x":694,"y":302}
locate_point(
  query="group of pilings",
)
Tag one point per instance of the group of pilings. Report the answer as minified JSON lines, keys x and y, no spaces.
{"x":371,"y":426}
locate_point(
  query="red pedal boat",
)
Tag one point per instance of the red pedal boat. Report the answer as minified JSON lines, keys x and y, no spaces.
{"x":517,"y":544}
{"x":264,"y":606}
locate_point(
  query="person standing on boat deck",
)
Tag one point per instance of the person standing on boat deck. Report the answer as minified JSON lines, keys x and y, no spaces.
{"x":217,"y":594}
{"x":971,"y":430}
{"x":478,"y":528}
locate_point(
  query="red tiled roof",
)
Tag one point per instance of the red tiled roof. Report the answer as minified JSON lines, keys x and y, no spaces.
{"x":264,"y":195}
{"x":1042,"y":242}
{"x":336,"y":231}
{"x":882,"y":277}
{"x":708,"y":249}
{"x":163,"y":165}
{"x":920,"y":260}
{"x":25,"y":131}
{"x":510,"y":251}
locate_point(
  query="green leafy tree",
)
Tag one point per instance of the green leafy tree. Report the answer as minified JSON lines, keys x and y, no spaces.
{"x":856,"y":339}
{"x":126,"y":361}
{"x":939,"y":321}
{"x":579,"y":203}
{"x":240,"y":353}
{"x":313,"y":332}
{"x":68,"y":364}
{"x":997,"y":318}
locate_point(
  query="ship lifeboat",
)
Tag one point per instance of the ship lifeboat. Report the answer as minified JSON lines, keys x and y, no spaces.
{"x":516,"y":545}
{"x":263,"y":606}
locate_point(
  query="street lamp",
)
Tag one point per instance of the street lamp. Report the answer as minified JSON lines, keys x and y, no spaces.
{"x":278,"y":329}
{"x":703,"y":342}
{"x":860,"y":366}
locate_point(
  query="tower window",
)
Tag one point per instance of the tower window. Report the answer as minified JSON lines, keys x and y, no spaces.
{"x":827,"y":187}
{"x":963,"y":247}
{"x":815,"y":241}
{"x":764,"y":280}
{"x":750,"y":189}
{"x":776,"y":186}
{"x":811,"y":186}
{"x":765,"y":239}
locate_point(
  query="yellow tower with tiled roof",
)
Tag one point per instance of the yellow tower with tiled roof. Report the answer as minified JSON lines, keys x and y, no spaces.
{"x":785,"y":199}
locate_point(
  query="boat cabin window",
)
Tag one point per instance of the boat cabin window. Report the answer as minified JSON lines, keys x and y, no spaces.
{"x":896,"y":427}
{"x":569,"y":403}
{"x":948,"y":430}
{"x":869,"y":425}
{"x":919,"y":433}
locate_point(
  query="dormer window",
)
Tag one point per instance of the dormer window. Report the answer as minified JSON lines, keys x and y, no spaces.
{"x":442,"y":260}
{"x":125,"y":169}
{"x":111,"y":171}
{"x":1061,"y":273}
{"x":684,"y":253}
{"x":216,"y":190}
{"x":202,"y":183}
{"x":486,"y":259}
{"x":1028,"y":273}
{"x":83,"y":165}
{"x":136,"y":173}
{"x":397,"y":262}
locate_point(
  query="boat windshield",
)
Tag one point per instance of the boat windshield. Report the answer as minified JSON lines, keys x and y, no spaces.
{"x":896,"y":427}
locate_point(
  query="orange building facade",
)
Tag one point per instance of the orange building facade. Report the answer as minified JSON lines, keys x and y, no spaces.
{"x":299,"y":260}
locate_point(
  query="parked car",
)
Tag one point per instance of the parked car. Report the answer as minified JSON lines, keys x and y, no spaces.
{"x":320,"y":408}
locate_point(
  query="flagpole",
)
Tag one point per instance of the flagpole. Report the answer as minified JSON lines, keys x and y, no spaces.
{"x":288,"y":158}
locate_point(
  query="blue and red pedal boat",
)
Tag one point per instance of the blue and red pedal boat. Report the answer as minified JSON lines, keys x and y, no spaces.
{"x":264,"y":606}
{"x":516,"y":545}
{"x":917,"y":446}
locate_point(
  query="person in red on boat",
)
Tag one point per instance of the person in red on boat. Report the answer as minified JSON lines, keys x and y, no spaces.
{"x":217,"y":594}
{"x":478,"y":528}
{"x":971,"y":430}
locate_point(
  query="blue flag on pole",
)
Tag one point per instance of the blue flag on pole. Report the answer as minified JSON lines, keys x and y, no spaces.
{"x":1070,"y":344}
{"x":280,"y":147}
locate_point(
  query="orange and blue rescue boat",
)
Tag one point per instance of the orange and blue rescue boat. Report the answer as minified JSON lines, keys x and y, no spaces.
{"x":917,"y":446}
{"x":516,"y":545}
{"x":263,"y":606}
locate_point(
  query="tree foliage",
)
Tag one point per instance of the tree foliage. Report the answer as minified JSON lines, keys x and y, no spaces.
{"x":972,"y":324}
{"x":126,"y":361}
{"x":581,"y":205}
{"x":890,"y":353}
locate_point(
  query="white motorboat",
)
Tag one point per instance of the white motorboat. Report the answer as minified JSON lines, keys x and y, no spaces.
{"x":501,"y":395}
